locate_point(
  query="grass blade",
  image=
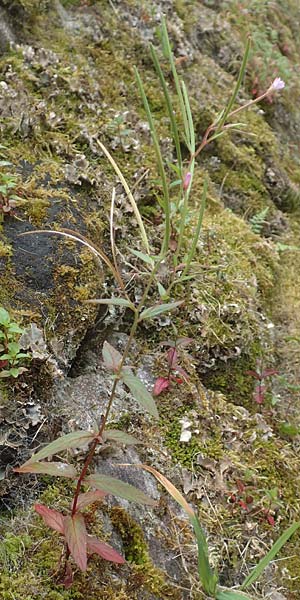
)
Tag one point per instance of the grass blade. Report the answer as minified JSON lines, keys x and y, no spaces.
{"x":192,"y":251}
{"x":237,"y":87}
{"x":263,"y":563}
{"x":129,"y":195}
{"x":207,"y":577}
{"x":170,"y":57}
{"x":169,"y":104}
{"x":160,"y":164}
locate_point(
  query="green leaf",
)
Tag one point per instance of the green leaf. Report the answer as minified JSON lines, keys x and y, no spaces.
{"x":154,"y":311}
{"x":120,"y":436}
{"x":4,"y":317}
{"x":76,"y":439}
{"x":140,"y":393}
{"x":263,"y":563}
{"x":13,"y":348}
{"x":142,"y":256}
{"x":111,"y":357}
{"x":232,"y":595}
{"x":113,"y":301}
{"x":118,"y":488}
{"x":76,"y":538}
{"x":14,"y":328}
{"x":57,"y":469}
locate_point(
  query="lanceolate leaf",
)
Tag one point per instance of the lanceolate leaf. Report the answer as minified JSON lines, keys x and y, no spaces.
{"x":232,"y":595}
{"x":161,"y":384}
{"x":51,"y":517}
{"x":118,"y":488}
{"x":263,"y":563}
{"x":140,"y":393}
{"x":111,"y":357}
{"x":88,"y":498}
{"x":120,"y":436}
{"x":104,"y":550}
{"x":76,"y":439}
{"x":57,"y":469}
{"x":154,"y":311}
{"x":114,"y":301}
{"x":144,"y":257}
{"x":76,"y":538}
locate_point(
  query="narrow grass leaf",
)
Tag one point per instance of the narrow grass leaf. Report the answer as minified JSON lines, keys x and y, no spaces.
{"x":237,"y":87}
{"x":119,"y":488}
{"x":263,"y":563}
{"x":160,"y":163}
{"x":77,"y":237}
{"x":76,"y":439}
{"x":208,"y":578}
{"x":52,"y":518}
{"x":129,"y":195}
{"x":76,"y":538}
{"x":140,"y":393}
{"x":154,"y":311}
{"x":169,"y":104}
{"x":170,"y":57}
{"x":104,"y":550}
{"x":57,"y":469}
{"x":193,"y":248}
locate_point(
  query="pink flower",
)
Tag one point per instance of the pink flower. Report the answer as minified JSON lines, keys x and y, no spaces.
{"x":278,"y":84}
{"x":187,"y":181}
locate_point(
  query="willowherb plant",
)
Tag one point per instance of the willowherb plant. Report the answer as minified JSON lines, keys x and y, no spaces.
{"x":72,"y":526}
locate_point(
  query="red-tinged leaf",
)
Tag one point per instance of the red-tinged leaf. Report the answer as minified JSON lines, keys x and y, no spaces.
{"x":57,"y":469}
{"x":182,"y":372}
{"x":253,"y":374}
{"x":243,"y":505}
{"x":111,"y":357}
{"x":51,"y":517}
{"x":119,"y":488}
{"x":88,"y":498}
{"x":104,"y":550}
{"x":68,"y":578}
{"x":178,"y":380}
{"x":161,"y":384}
{"x":76,"y":538}
{"x":120,"y":436}
{"x":172,"y":357}
{"x":269,"y":372}
{"x":76,"y":439}
{"x":270,"y":520}
{"x":259,"y":394}
{"x":240,"y":486}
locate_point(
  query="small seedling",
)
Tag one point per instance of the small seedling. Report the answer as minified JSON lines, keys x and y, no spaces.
{"x":176,"y":373}
{"x":261,"y":375}
{"x":11,"y":355}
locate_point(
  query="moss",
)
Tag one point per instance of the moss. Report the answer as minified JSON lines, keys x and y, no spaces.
{"x":136,"y":552}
